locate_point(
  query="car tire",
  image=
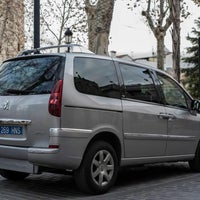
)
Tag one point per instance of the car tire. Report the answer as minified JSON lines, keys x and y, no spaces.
{"x":98,"y":170}
{"x":13,"y":175}
{"x":195,"y":163}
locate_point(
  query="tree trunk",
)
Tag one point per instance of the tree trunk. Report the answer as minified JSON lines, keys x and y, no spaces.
{"x":176,"y":39}
{"x":99,"y":21}
{"x":159,"y":25}
{"x":160,"y":51}
{"x":11,"y":28}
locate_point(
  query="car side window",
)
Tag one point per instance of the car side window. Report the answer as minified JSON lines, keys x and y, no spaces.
{"x":173,"y":94}
{"x":96,"y":77}
{"x":138,"y":83}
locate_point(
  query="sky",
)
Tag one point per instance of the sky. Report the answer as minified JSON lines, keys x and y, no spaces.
{"x":129,"y":34}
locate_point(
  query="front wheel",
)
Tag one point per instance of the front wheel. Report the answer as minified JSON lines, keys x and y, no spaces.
{"x":98,"y":170}
{"x":13,"y":175}
{"x":195,"y":163}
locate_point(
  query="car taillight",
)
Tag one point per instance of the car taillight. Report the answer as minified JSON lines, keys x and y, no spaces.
{"x":55,"y":99}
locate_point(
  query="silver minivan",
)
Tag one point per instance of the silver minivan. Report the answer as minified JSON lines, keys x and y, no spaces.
{"x":88,"y":115}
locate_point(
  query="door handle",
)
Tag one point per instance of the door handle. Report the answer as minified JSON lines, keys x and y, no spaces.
{"x":167,"y":116}
{"x":163,"y":116}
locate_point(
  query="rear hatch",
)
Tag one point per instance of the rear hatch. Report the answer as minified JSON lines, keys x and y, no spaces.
{"x":26,"y":85}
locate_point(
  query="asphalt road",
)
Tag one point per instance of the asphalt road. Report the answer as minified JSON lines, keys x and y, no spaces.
{"x":154,"y":182}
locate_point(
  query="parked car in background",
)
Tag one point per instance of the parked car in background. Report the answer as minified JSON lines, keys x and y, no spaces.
{"x":89,"y":115}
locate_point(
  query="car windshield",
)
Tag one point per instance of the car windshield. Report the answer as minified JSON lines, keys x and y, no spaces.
{"x":33,"y":75}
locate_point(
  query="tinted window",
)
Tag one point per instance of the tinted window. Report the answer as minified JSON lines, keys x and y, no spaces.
{"x":96,"y":77}
{"x":35,"y":75}
{"x":138,"y":83}
{"x":174,"y":95}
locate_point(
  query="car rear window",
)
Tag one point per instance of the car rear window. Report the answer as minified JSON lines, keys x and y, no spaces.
{"x":30,"y":76}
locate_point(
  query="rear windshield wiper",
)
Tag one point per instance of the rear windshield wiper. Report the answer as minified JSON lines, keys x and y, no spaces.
{"x":18,"y":92}
{"x":26,"y":92}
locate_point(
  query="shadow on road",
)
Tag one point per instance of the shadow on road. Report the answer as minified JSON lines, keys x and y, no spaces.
{"x":51,"y":186}
{"x":151,"y":172}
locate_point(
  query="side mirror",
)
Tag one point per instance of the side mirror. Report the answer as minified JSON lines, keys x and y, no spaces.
{"x":195,"y":105}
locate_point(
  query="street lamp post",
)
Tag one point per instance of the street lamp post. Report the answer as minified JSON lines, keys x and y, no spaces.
{"x":68,"y":37}
{"x":36,"y":23}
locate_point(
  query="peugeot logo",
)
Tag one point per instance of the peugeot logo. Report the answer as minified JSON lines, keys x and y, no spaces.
{"x":6,"y":105}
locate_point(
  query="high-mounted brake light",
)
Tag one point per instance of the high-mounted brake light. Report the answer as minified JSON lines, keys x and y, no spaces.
{"x":55,"y":100}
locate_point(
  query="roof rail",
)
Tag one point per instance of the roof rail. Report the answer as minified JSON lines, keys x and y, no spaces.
{"x":57,"y":49}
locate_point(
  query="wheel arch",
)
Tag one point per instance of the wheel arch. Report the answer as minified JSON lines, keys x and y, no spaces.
{"x":110,"y":138}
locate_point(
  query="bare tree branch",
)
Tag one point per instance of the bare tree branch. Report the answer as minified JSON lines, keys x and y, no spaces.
{"x":56,"y":16}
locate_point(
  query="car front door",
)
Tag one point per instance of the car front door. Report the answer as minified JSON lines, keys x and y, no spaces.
{"x":183,"y":125}
{"x":145,"y":132}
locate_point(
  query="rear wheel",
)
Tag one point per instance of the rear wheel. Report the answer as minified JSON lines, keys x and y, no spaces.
{"x":98,"y":171}
{"x":13,"y":175}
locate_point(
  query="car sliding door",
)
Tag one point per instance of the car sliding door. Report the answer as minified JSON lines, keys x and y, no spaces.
{"x":145,"y":131}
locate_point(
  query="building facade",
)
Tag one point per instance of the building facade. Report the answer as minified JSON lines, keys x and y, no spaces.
{"x":11,"y":28}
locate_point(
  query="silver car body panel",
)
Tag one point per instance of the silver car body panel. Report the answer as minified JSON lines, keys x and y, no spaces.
{"x":183,"y":132}
{"x":145,"y":131}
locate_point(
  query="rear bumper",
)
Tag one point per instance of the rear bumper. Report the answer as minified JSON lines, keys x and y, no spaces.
{"x":18,"y":165}
{"x":16,"y":159}
{"x":53,"y":158}
{"x":71,"y":145}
